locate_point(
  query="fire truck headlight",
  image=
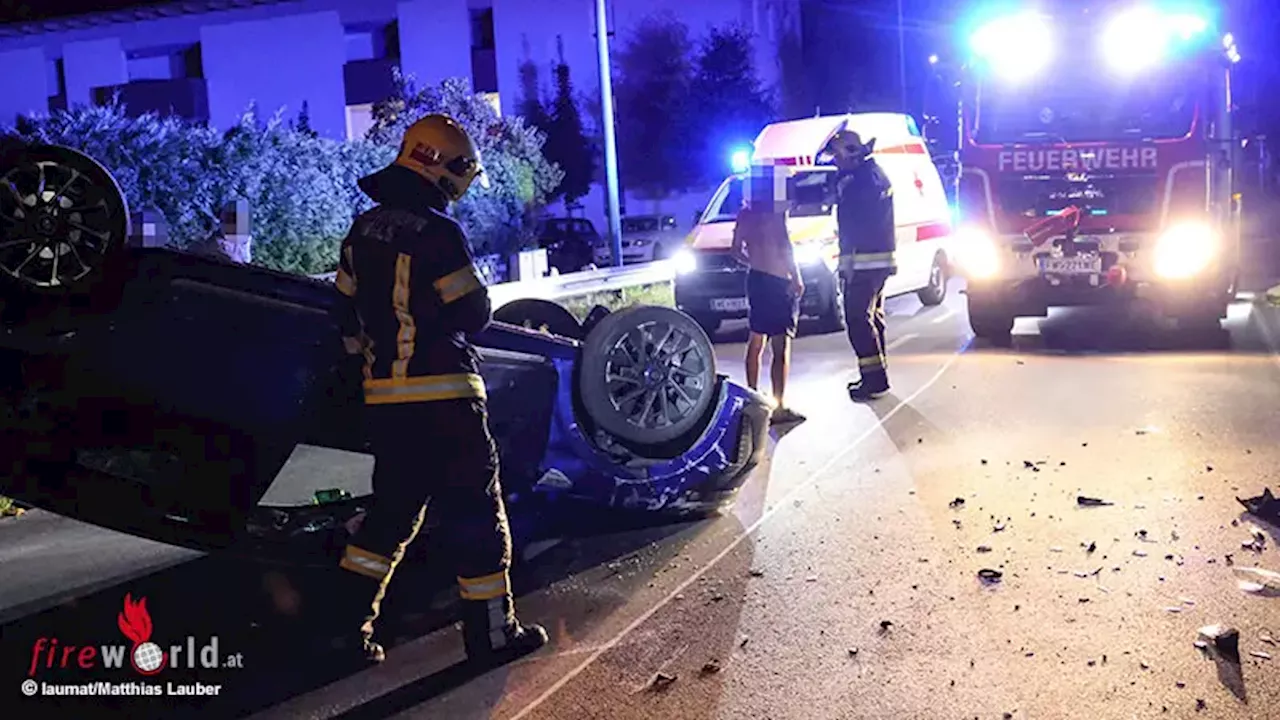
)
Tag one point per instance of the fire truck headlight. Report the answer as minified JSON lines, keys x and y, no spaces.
{"x":1185,"y":250}
{"x":977,"y":254}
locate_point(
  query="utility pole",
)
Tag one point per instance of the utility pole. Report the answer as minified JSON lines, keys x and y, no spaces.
{"x":902,"y":60}
{"x":610,"y":138}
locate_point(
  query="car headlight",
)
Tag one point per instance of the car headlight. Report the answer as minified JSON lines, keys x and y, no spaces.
{"x":810,"y":253}
{"x":977,"y":254}
{"x":1185,"y":250}
{"x":684,"y":261}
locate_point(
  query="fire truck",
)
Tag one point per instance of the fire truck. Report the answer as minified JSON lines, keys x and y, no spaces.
{"x":1097,"y":160}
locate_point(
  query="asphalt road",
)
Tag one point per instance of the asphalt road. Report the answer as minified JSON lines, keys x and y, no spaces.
{"x":844,"y":583}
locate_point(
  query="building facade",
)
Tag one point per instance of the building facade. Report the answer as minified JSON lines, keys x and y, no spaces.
{"x":208,"y":60}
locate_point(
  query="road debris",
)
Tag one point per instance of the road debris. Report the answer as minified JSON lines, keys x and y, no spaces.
{"x":1085,"y":501}
{"x":755,"y":572}
{"x":1260,"y":655}
{"x":1265,"y":636}
{"x":990,"y":576}
{"x":999,"y":526}
{"x":1259,"y":541}
{"x":853,"y":652}
{"x":957,"y":503}
{"x":1139,"y":553}
{"x":711,"y":667}
{"x":1265,"y":506}
{"x":1223,"y":640}
{"x":661,"y":681}
{"x":1055,"y":549}
{"x":1091,"y":547}
{"x":885,"y":625}
{"x":1258,"y":581}
{"x":1201,"y":705}
{"x":984,"y":548}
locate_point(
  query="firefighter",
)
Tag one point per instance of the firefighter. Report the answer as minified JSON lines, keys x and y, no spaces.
{"x":865,"y":218}
{"x":410,"y":294}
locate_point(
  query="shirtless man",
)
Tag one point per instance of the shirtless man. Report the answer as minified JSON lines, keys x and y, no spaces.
{"x":774,"y":287}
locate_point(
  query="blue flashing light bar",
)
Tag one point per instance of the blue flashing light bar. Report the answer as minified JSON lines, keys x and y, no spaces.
{"x":1016,"y":45}
{"x":740,"y":160}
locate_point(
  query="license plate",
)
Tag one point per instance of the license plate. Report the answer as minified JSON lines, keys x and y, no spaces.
{"x":1079,"y":265}
{"x":729,"y":304}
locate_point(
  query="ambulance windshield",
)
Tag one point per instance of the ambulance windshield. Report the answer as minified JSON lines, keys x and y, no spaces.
{"x":1061,"y":109}
{"x":809,"y":193}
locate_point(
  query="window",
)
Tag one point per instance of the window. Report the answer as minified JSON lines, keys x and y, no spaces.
{"x":167,"y":63}
{"x":359,"y":120}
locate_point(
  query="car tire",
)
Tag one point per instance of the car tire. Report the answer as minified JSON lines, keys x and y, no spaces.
{"x":832,"y":319}
{"x":79,"y":232}
{"x":541,"y":315}
{"x":619,"y":356}
{"x":991,"y":322}
{"x":936,"y":291}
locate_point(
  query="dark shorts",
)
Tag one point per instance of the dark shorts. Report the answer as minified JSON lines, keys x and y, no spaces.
{"x":773,"y":311}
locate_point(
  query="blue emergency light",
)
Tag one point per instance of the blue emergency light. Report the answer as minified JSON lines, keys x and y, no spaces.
{"x":740,"y":161}
{"x":1017,"y":45}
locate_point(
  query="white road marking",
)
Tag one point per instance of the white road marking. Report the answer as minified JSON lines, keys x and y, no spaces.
{"x":900,"y":341}
{"x":945,"y":316}
{"x":782,"y":502}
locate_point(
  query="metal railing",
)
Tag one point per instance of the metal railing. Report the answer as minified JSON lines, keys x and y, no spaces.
{"x":557,"y":287}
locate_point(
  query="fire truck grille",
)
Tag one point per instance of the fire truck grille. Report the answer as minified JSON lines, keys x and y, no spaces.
{"x":1040,"y":196}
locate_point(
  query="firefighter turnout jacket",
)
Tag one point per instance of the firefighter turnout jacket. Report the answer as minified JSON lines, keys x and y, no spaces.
{"x":412,"y":296}
{"x":864,"y":214}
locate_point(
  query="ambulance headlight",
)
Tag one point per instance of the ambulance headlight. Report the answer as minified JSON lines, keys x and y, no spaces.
{"x":810,"y":253}
{"x":1185,"y":250}
{"x":977,"y":254}
{"x":684,"y":261}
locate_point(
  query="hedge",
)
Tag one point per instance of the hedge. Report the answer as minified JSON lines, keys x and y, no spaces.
{"x":301,"y":187}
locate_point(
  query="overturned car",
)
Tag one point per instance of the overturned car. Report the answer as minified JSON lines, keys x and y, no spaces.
{"x":160,"y":393}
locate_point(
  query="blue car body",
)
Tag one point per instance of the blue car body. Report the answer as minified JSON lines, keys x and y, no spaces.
{"x":227,"y":368}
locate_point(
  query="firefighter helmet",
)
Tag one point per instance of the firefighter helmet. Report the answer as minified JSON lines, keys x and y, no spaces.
{"x":440,"y":150}
{"x":847,"y":146}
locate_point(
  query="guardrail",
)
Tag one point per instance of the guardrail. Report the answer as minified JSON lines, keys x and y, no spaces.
{"x":556,"y":287}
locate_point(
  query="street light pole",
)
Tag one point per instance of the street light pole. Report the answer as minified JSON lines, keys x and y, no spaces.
{"x":902,"y":59}
{"x":610,"y":140}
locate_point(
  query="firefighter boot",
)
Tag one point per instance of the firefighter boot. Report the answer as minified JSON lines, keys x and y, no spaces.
{"x":352,"y":610}
{"x":868,"y":389}
{"x":492,"y":634}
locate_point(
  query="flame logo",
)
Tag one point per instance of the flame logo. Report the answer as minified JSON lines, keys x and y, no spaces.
{"x":135,"y":622}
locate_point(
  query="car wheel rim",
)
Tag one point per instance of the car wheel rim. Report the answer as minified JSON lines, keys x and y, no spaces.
{"x":56,"y":223}
{"x":655,"y":375}
{"x":935,"y":277}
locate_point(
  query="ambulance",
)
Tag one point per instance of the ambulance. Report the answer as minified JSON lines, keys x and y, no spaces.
{"x":711,"y":286}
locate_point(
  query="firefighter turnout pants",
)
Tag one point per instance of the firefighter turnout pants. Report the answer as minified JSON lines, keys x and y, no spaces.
{"x":441,"y":453}
{"x":865,"y":320}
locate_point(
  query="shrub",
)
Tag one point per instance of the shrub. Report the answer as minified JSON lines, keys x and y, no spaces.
{"x":502,"y":219}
